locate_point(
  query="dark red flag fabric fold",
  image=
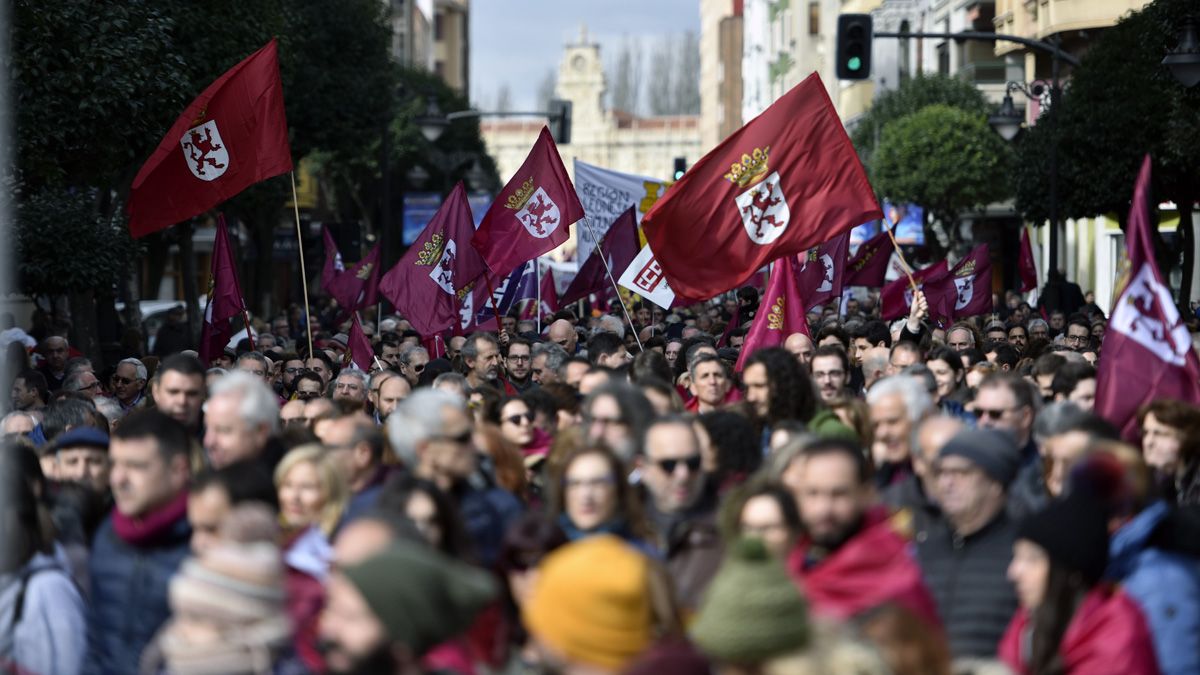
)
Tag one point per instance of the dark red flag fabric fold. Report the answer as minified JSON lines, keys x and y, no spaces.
{"x":621,"y":246}
{"x":780,"y":314}
{"x":360,"y":352}
{"x":822,"y":271}
{"x":1147,"y":353}
{"x":973,"y":283}
{"x":439,"y":272}
{"x":869,"y":265}
{"x":896,"y":297}
{"x":785,"y":182}
{"x":358,"y":285}
{"x":1025,"y":264}
{"x":232,"y":136}
{"x":224,"y":298}
{"x":533,"y":214}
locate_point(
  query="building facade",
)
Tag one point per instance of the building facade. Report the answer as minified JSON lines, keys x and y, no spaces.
{"x":433,"y":35}
{"x":610,"y":138}
{"x":721,"y":45}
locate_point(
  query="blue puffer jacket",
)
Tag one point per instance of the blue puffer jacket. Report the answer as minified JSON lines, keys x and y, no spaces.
{"x":1165,"y":585}
{"x":129,"y":595}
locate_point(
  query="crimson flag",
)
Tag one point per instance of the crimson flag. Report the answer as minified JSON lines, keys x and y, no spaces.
{"x":437,"y":275}
{"x":358,"y":285}
{"x":232,"y":136}
{"x":869,"y":265}
{"x":224,"y":298}
{"x":785,"y":182}
{"x":1025,"y":264}
{"x":896,"y":297}
{"x":1147,"y":353}
{"x":535,"y":217}
{"x":822,"y":271}
{"x":621,"y":246}
{"x":973,"y":283}
{"x":333,"y":260}
{"x":780,"y":314}
{"x":359,"y":352}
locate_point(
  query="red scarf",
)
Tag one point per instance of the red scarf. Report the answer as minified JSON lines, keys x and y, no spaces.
{"x":144,"y":530}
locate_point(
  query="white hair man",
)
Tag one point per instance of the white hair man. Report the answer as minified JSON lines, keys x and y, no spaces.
{"x":129,"y":384}
{"x":898,"y":403}
{"x":351,"y":384}
{"x":241,"y":415}
{"x":432,"y":434}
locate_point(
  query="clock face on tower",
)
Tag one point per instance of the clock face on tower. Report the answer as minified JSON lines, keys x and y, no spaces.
{"x":578,"y":63}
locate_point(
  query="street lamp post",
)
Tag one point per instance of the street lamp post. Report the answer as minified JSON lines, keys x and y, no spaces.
{"x":1184,"y":60}
{"x":1007,"y":122}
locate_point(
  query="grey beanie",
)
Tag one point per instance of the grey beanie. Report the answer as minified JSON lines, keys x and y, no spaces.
{"x":993,"y":451}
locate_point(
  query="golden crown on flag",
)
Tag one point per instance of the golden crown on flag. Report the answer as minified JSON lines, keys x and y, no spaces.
{"x":752,"y":168}
{"x":775,"y":318}
{"x":968,"y":269}
{"x":431,"y":252}
{"x":465,"y":290}
{"x":516,"y":201}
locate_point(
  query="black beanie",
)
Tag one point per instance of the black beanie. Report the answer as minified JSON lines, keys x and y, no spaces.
{"x":1074,"y":533}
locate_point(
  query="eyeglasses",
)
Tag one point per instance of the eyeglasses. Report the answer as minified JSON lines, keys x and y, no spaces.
{"x":417,"y":368}
{"x":997,"y":414}
{"x":669,"y":465}
{"x":90,"y":386}
{"x":518,"y":358}
{"x":1077,"y":338}
{"x":516,"y":419}
{"x":117,"y":379}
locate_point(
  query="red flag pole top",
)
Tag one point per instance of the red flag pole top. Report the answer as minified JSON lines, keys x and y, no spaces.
{"x":787,"y":181}
{"x":232,"y":136}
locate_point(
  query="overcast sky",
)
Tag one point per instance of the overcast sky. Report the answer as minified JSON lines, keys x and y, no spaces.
{"x":516,"y":42}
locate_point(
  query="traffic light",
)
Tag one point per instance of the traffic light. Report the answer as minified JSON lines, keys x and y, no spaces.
{"x":854,"y":46}
{"x":680,"y":167}
{"x":560,"y":121}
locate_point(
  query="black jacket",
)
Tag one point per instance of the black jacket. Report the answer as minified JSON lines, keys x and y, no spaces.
{"x":967,"y":576}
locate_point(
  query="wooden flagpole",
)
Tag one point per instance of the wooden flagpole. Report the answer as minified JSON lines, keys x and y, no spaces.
{"x":908,"y":272}
{"x":303,"y":273}
{"x":587,"y":225}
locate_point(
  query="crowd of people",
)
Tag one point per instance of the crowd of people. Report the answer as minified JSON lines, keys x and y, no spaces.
{"x":598,"y":496}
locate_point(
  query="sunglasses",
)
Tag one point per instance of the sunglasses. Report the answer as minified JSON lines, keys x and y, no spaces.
{"x":993,"y":414}
{"x":117,"y":379}
{"x":516,"y":419}
{"x":669,"y":465}
{"x":418,"y":368}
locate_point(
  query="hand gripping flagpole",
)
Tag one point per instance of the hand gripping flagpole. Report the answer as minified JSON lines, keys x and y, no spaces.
{"x":587,"y":225}
{"x":303,"y":273}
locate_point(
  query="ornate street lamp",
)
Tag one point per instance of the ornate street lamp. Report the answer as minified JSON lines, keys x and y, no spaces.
{"x":1007,"y":121}
{"x":433,"y":122}
{"x":1184,"y":60}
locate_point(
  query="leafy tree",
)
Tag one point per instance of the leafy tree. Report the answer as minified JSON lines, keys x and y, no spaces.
{"x":944,"y":158}
{"x":1121,"y":103}
{"x":912,"y":95}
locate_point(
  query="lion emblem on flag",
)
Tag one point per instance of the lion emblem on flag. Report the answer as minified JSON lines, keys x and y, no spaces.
{"x":205,"y":152}
{"x":966,"y":291}
{"x":539,"y":215}
{"x":443,"y":272}
{"x":764,"y":210}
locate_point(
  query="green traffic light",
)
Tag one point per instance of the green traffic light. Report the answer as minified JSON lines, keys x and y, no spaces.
{"x":854,"y":64}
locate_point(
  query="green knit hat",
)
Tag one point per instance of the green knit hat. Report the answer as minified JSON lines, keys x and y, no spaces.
{"x":752,"y":611}
{"x":422,"y":597}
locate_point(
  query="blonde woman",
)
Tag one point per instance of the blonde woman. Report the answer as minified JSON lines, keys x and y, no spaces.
{"x":312,"y":498}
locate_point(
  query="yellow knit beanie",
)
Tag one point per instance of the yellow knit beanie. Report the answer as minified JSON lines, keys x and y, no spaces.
{"x":590,"y":602}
